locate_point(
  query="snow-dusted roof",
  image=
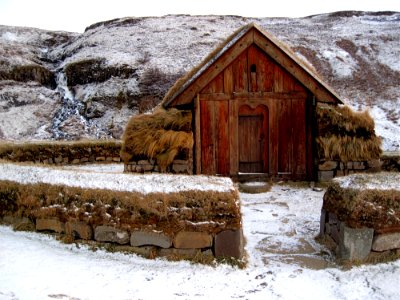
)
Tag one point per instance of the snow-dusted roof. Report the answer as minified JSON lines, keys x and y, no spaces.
{"x":190,"y":78}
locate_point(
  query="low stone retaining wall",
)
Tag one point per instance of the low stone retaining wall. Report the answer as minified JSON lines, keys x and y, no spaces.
{"x":62,"y":153}
{"x":183,"y":223}
{"x":328,"y":169}
{"x":361,"y":215}
{"x":150,"y":165}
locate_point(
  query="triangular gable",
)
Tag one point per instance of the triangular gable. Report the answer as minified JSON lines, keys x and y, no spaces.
{"x":186,"y":88}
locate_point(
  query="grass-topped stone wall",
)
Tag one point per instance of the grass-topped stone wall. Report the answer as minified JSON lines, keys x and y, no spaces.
{"x":159,"y":215}
{"x":346,"y":142}
{"x":159,"y":142}
{"x":62,"y":152}
{"x":361,"y":214}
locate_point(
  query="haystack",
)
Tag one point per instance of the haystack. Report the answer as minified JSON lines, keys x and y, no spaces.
{"x":162,"y":136}
{"x":346,"y":135}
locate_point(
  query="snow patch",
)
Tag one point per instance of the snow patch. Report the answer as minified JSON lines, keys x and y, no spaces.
{"x":380,"y":181}
{"x":145,"y":184}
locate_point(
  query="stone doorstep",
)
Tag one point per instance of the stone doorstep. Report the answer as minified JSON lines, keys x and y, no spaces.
{"x":81,"y":229}
{"x":50,"y":224}
{"x":150,"y":238}
{"x":195,"y":240}
{"x":386,"y":241}
{"x":111,"y":234}
{"x":229,"y":243}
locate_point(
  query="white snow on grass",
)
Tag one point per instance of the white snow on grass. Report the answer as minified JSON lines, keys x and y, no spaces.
{"x":145,"y":184}
{"x":380,"y":181}
{"x":36,"y":266}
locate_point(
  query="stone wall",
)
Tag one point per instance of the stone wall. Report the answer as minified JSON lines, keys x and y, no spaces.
{"x":62,"y":153}
{"x":328,"y":169}
{"x":150,"y":165}
{"x":149,"y":243}
{"x":358,"y":244}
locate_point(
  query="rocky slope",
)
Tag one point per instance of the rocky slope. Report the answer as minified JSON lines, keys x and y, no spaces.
{"x":61,"y":85}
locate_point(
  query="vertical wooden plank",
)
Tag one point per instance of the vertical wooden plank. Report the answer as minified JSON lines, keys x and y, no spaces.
{"x":252,"y":68}
{"x":285,"y":143}
{"x":222,"y":137}
{"x":197,"y":154}
{"x":299,"y":138}
{"x":240,"y":73}
{"x":311,"y":129}
{"x":265,"y":73}
{"x":228,"y":79}
{"x":278,"y":79}
{"x":207,"y":137}
{"x":215,"y":86}
{"x":288,"y":82}
{"x":233,"y":137}
{"x":273,"y":135}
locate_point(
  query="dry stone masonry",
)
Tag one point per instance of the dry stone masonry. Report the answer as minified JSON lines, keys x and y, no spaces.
{"x":361,"y":215}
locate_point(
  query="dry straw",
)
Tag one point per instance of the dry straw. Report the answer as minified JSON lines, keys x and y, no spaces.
{"x":162,"y":136}
{"x":346,"y":135}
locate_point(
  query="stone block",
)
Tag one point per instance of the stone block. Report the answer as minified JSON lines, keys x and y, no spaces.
{"x":188,"y":240}
{"x":322,"y":221}
{"x":358,"y":165}
{"x":340,"y":173}
{"x":100,"y":158}
{"x":111,"y":234}
{"x":386,"y":241}
{"x":354,"y":243}
{"x":143,"y":162}
{"x":148,"y":238}
{"x":58,"y":160}
{"x":65,"y":160}
{"x":332,"y":219}
{"x":186,"y":253}
{"x":180,"y":168}
{"x":229,"y":243}
{"x":84,"y":159}
{"x":375,"y":163}
{"x":50,"y":224}
{"x":334,"y":233}
{"x":109,"y":159}
{"x":76,"y":161}
{"x":325,"y":175}
{"x":147,"y":168}
{"x":79,"y":230}
{"x":116,"y":159}
{"x":328,"y":165}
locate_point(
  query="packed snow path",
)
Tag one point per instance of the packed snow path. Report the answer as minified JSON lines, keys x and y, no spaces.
{"x":284,"y":263}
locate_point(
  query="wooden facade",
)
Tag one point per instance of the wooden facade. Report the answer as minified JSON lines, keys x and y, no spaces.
{"x":253,"y":106}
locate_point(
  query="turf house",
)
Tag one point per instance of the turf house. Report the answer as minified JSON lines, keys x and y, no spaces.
{"x":252,"y":107}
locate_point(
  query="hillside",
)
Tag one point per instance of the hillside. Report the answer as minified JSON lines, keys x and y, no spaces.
{"x":62,"y":85}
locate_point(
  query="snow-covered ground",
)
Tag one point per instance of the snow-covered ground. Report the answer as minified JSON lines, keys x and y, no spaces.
{"x":284,"y":262}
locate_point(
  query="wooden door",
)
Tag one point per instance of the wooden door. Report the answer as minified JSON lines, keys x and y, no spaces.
{"x":253,"y":139}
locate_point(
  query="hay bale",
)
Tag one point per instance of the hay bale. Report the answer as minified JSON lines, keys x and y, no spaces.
{"x":163,"y":136}
{"x":346,"y":135}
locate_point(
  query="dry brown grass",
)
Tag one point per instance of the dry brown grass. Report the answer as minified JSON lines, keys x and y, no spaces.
{"x":127,"y":210}
{"x":346,"y":135}
{"x":377,"y":209}
{"x":347,"y":148}
{"x":163,"y":136}
{"x":31,"y":151}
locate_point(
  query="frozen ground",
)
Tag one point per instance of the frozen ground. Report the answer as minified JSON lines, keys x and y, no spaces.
{"x":284,"y":263}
